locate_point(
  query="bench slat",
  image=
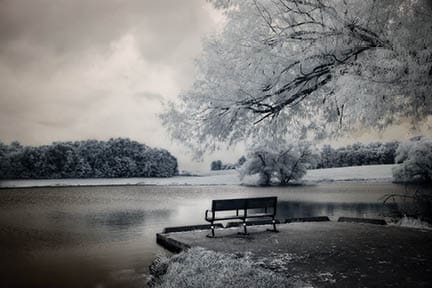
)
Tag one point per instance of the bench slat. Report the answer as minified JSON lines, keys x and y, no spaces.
{"x":262,"y":202}
{"x":226,"y":218}
{"x":258,"y":215}
{"x":243,"y":203}
{"x":228,"y":204}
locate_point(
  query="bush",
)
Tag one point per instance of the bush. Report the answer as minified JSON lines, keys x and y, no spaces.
{"x":415,"y":158}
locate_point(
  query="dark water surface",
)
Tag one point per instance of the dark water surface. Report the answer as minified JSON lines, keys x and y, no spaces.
{"x":105,"y":236}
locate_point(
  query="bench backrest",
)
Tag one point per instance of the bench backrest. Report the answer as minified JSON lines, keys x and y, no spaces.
{"x":262,"y":202}
{"x":244,"y":203}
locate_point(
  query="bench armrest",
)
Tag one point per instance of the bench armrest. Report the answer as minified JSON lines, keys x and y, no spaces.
{"x":206,"y":214}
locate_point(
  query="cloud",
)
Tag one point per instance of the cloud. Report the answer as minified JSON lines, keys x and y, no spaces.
{"x":70,"y":28}
{"x":149,"y":96}
{"x":81,"y":69}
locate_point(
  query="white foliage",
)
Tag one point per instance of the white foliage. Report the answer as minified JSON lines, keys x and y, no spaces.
{"x":294,"y":161}
{"x":280,"y":166}
{"x":262,"y":162}
{"x":307,"y":68}
{"x":416,"y":161}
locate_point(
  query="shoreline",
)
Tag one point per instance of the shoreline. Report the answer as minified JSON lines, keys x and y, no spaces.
{"x":362,"y":174}
{"x":308,"y":183}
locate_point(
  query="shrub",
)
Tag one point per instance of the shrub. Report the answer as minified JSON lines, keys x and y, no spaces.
{"x":415,"y":158}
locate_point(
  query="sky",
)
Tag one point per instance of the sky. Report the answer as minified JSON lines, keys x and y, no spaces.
{"x":83,"y":69}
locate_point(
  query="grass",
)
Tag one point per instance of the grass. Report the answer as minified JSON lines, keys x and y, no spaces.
{"x":198,"y":267}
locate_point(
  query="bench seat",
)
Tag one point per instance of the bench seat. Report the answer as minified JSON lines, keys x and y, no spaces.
{"x":241,"y":217}
{"x":259,"y":215}
{"x":225,"y":218}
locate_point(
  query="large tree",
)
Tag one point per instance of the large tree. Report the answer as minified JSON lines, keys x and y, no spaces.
{"x":299,"y":67}
{"x":279,"y":165}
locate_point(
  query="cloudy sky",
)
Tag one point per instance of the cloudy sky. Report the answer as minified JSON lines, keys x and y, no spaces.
{"x":72,"y":70}
{"x":96,"y":69}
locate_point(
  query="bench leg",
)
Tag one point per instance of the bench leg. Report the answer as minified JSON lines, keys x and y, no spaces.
{"x":274,"y":226}
{"x":244,"y":229}
{"x":212,"y":227}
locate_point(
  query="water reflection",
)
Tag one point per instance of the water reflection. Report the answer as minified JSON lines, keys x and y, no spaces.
{"x":296,"y":209}
{"x":117,"y":225}
{"x":113,"y":220}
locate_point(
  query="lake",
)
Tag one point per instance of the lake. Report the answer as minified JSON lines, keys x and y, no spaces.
{"x":105,"y":236}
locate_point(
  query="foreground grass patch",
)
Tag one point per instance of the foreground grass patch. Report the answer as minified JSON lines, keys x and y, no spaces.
{"x":198,"y":267}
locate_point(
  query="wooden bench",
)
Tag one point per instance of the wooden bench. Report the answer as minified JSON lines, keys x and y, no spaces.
{"x":244,"y":208}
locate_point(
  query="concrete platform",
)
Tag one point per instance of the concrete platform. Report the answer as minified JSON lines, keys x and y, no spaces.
{"x":327,"y":254}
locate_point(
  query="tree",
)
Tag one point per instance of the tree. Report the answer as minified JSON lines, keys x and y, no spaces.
{"x":358,"y":154}
{"x":85,"y":159}
{"x":216,"y":165}
{"x":387,"y":152}
{"x":327,"y":157}
{"x":415,"y":158}
{"x":301,"y":68}
{"x":279,"y":167}
{"x":241,"y":161}
{"x":294,"y":162}
{"x":262,"y":161}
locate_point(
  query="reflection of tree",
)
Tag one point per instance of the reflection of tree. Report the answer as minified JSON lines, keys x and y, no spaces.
{"x":294,"y":209}
{"x":417,"y":205}
{"x":123,"y":220}
{"x":113,"y":220}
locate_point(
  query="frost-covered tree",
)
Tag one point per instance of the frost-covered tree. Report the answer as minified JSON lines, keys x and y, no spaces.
{"x":290,"y":163}
{"x":293,"y":162}
{"x":261,"y":161}
{"x":318,"y":67}
{"x":415,"y":158}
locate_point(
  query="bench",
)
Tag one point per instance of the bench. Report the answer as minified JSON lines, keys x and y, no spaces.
{"x":245,"y":208}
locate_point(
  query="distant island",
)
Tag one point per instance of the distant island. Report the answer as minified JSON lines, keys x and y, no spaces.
{"x":115,"y":158}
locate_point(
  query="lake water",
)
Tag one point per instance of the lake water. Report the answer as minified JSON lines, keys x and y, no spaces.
{"x":105,"y":236}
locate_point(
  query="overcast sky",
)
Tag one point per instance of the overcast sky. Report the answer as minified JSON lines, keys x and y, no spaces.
{"x":88,"y":69}
{"x":80,"y":69}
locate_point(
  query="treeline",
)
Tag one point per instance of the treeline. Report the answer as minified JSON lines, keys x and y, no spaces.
{"x":219,"y":165}
{"x":358,"y":154}
{"x":85,"y":159}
